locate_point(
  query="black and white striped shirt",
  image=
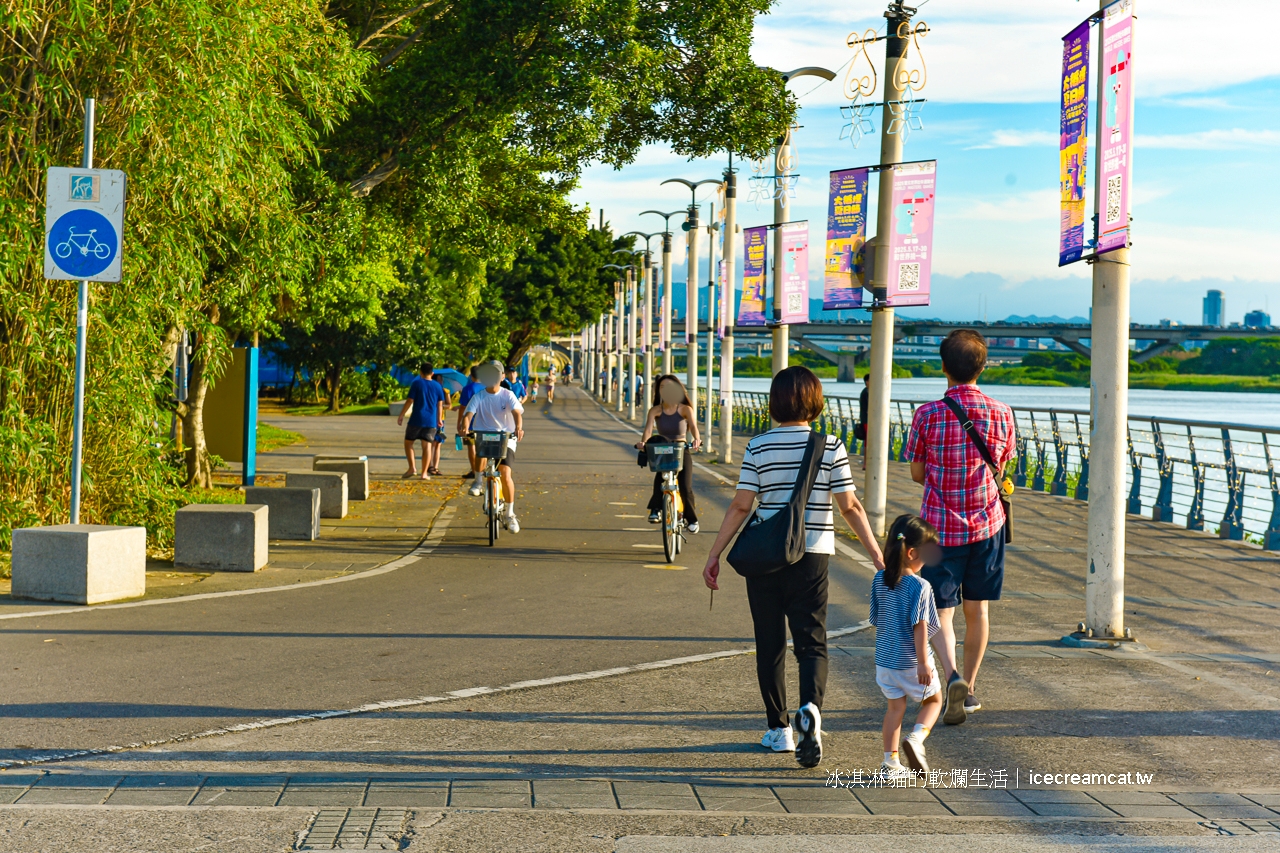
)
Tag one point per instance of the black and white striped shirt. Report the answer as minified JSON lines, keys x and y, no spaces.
{"x":771,"y":465}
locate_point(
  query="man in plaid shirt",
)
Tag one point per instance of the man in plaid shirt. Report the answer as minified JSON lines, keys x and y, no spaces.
{"x":962,"y":500}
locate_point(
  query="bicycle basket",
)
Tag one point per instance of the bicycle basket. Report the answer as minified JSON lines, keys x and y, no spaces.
{"x":665,"y":457}
{"x":491,"y":445}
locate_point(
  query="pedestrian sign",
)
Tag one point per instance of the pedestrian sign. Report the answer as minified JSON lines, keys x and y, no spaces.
{"x":83,"y":223}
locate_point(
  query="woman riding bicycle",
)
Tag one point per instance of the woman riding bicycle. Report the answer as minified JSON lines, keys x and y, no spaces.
{"x":669,"y":420}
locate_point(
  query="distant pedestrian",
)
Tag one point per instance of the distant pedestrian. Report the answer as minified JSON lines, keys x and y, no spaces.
{"x":514,"y":385}
{"x":551,"y":385}
{"x":860,"y":429}
{"x":962,"y":500}
{"x":464,"y":396}
{"x":905,"y":618}
{"x":795,"y":595}
{"x":425,"y":410}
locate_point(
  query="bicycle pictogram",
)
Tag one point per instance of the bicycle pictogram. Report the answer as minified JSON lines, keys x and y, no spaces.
{"x":86,"y":243}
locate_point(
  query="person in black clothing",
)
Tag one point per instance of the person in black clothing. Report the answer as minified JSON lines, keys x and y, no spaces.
{"x":670,"y":419}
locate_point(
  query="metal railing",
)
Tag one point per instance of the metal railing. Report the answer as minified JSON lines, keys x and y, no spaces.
{"x":1202,"y":475}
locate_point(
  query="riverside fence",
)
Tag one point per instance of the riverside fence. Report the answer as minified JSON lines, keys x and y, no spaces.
{"x":1202,"y":475}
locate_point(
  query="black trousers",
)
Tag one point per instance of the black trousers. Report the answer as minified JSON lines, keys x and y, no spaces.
{"x":684,"y":480}
{"x":796,"y":595}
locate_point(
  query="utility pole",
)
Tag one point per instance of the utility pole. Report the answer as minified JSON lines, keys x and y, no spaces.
{"x":712,"y":228}
{"x":876,"y":485}
{"x":691,"y":309}
{"x":782,"y":163}
{"x":1108,"y":438}
{"x":646,"y":334}
{"x":727,"y":314}
{"x":664,"y":323}
{"x":631,"y":342}
{"x":616,"y":390}
{"x":82,"y":323}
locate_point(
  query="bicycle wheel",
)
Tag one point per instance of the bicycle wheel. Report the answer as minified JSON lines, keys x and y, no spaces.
{"x":670,"y":534}
{"x":492,"y":489}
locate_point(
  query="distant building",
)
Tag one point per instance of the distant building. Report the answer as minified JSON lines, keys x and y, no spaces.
{"x":1257,"y":320}
{"x":1215,"y":309}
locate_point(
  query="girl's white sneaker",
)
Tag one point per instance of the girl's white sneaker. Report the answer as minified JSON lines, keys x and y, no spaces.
{"x":779,"y":740}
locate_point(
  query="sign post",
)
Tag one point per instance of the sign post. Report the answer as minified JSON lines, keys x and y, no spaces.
{"x":84,"y":220}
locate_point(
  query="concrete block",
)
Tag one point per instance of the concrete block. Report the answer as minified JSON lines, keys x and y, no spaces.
{"x":356,"y":468}
{"x":221,"y":537}
{"x":291,"y":513}
{"x":79,"y":563}
{"x":395,"y":408}
{"x":332,"y":486}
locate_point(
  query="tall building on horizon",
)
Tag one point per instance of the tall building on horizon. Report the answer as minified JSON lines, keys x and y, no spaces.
{"x":1257,"y":320}
{"x":1215,"y":309}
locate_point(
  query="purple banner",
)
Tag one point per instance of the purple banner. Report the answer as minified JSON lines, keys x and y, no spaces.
{"x":1074,"y":143}
{"x":1115,"y":65}
{"x":755,"y":254}
{"x":911,"y":239}
{"x":791,"y":280}
{"x":846,"y":234}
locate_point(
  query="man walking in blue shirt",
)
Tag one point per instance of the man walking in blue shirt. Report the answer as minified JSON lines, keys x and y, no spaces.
{"x":464,"y":396}
{"x":425,"y":410}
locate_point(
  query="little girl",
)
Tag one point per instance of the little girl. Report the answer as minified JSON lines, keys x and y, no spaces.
{"x":905,"y":617}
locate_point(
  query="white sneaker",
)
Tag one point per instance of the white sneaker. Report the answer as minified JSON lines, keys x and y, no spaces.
{"x":809,"y":722}
{"x":779,"y":740}
{"x":912,"y":749}
{"x":891,"y":772}
{"x":475,"y":491}
{"x":693,"y":528}
{"x":513,"y":525}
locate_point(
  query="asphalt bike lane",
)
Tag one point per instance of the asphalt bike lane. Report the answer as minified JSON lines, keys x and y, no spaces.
{"x":582,"y":587}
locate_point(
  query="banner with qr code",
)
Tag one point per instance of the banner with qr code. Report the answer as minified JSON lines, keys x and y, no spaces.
{"x":911,"y":237}
{"x":755,"y":254}
{"x":846,"y":234}
{"x":1073,"y":144}
{"x":791,"y":277}
{"x":1115,"y":161}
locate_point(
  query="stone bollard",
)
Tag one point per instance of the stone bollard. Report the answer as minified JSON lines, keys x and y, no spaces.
{"x":332,"y":486}
{"x":355,"y":467}
{"x":291,"y":513}
{"x":79,"y":563}
{"x":221,"y":537}
{"x":395,"y":408}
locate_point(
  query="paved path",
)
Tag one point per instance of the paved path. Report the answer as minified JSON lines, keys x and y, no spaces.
{"x":521,"y":707}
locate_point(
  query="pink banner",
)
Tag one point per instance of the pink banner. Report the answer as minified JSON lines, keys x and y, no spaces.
{"x":911,"y":239}
{"x":1115,"y":68}
{"x":791,"y":280}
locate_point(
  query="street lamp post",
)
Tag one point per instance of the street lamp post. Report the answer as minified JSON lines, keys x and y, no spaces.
{"x":691,"y":287}
{"x":712,"y":228}
{"x":646,"y":333}
{"x":783,"y":163}
{"x":664,"y":325}
{"x":727,"y":317}
{"x":630,"y":307}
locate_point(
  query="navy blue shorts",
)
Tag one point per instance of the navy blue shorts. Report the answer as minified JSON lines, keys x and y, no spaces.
{"x":974,"y":572}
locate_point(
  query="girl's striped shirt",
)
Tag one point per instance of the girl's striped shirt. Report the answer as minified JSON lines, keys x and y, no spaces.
{"x":895,"y":613}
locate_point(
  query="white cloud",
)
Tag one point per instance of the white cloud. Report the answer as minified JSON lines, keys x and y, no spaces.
{"x":1011,"y":50}
{"x":1219,"y":139}
{"x":1020,"y":139}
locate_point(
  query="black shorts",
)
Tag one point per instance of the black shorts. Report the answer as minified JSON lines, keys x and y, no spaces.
{"x":508,"y":459}
{"x":974,"y":572}
{"x":413,"y":433}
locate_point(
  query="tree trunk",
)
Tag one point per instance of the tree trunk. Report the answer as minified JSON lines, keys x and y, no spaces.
{"x":199,"y":466}
{"x":333,"y":379}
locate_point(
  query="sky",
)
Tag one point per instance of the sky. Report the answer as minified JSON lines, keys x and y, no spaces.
{"x":1207,"y":126}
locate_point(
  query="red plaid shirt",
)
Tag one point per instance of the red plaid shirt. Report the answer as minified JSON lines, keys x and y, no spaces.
{"x":961,"y":498}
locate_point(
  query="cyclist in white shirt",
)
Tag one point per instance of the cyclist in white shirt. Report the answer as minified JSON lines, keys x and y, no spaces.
{"x":496,"y":409}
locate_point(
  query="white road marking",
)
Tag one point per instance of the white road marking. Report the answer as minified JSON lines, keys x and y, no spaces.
{"x":391,"y":704}
{"x":857,"y":557}
{"x":434,"y":537}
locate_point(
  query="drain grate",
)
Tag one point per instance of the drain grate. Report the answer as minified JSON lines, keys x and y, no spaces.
{"x":356,"y":829}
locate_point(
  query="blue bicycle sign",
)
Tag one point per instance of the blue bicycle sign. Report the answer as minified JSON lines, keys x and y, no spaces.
{"x":82,"y":242}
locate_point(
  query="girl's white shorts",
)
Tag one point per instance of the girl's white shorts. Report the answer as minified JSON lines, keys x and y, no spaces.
{"x":896,"y":683}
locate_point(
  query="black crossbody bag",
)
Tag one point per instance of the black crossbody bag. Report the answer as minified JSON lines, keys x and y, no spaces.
{"x":769,"y":546}
{"x":1004,"y":486}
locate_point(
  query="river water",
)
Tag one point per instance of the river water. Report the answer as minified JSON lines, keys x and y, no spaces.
{"x":1223,"y":406}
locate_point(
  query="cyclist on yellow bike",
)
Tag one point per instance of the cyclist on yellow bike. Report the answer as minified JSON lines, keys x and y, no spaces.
{"x":670,"y":420}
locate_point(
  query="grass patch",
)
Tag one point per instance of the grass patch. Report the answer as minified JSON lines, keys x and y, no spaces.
{"x":323,"y":409}
{"x":271,"y":437}
{"x":6,"y":570}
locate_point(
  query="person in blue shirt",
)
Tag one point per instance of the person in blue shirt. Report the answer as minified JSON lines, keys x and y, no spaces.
{"x":425,"y":411}
{"x":464,"y":396}
{"x":514,"y":385}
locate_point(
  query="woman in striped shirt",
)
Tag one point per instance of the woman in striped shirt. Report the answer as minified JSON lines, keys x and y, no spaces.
{"x":796,"y":594}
